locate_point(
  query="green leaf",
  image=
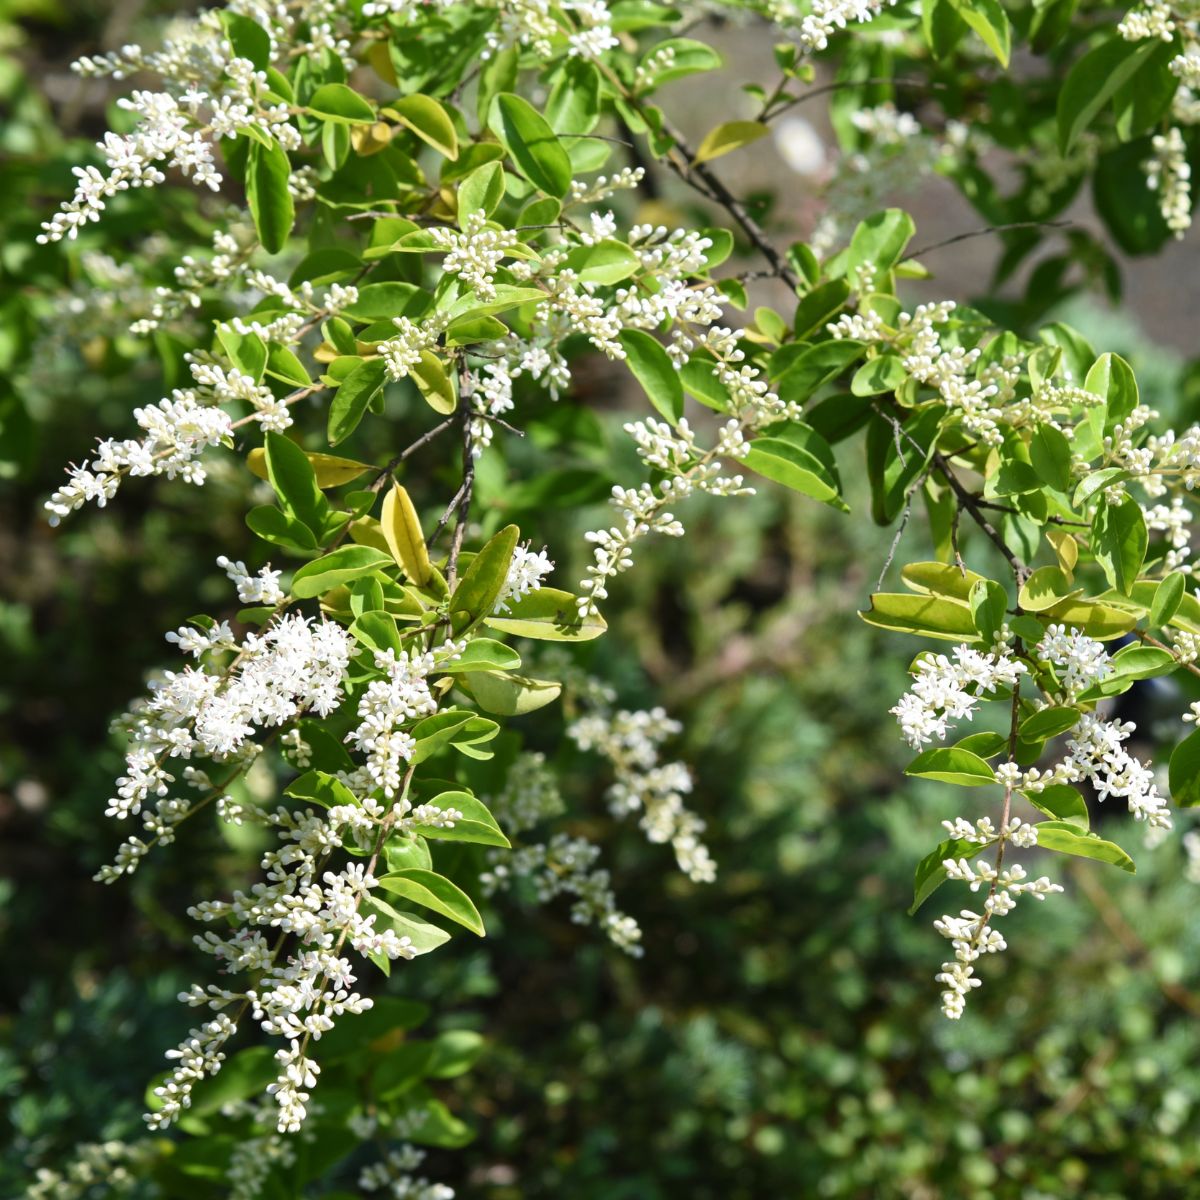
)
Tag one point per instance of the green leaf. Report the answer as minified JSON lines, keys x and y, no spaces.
{"x":1045,"y":588}
{"x":338,"y":567}
{"x":422,"y":934}
{"x":1050,"y":453}
{"x":383,"y":301}
{"x":320,"y":788}
{"x":511,"y":695}
{"x":931,"y":874}
{"x":436,"y":893}
{"x":548,"y":614}
{"x":451,"y":726}
{"x":248,"y":39}
{"x":952,"y":764}
{"x":987,"y":18}
{"x":1112,"y":378}
{"x":687,"y":57}
{"x":402,"y":530}
{"x":798,"y":457}
{"x":1062,"y":803}
{"x":1130,"y":664}
{"x":727,"y":137}
{"x":1094,"y":80}
{"x":471,"y":329}
{"x":246,"y":351}
{"x":879,"y":241}
{"x":353,"y":395}
{"x":1184,"y":772}
{"x":295,"y":482}
{"x":434,"y":384}
{"x":481,"y":584}
{"x":1066,"y":838}
{"x":532,"y":144}
{"x":815,"y":366}
{"x":941,"y":579}
{"x":481,"y":191}
{"x":1101,"y":621}
{"x":1119,"y":541}
{"x":574,"y":102}
{"x":454,"y":1053}
{"x":989,"y":603}
{"x":271,"y":204}
{"x":1167,"y":598}
{"x":280,"y":529}
{"x":927,"y":615}
{"x":986,"y":744}
{"x":883,"y":374}
{"x":376,"y":630}
{"x":282,"y":364}
{"x":428,"y":120}
{"x":1047,"y":723}
{"x":477,"y":824}
{"x":818,"y":307}
{"x":654,"y":370}
{"x":483,"y":654}
{"x":337,"y":102}
{"x":605,"y":262}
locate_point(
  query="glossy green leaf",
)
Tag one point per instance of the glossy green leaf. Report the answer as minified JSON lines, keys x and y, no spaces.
{"x":531,"y":142}
{"x":952,"y":764}
{"x":353,"y":395}
{"x":428,"y":120}
{"x":727,"y":137}
{"x":796,"y":456}
{"x":1094,"y":80}
{"x":337,"y":102}
{"x":1067,"y":838}
{"x":295,"y":482}
{"x":483,"y":580}
{"x":1061,"y":802}
{"x":548,"y":614}
{"x":1167,"y":598}
{"x":475,"y":825}
{"x":1048,"y":722}
{"x":1184,"y":772}
{"x":930,"y":616}
{"x":654,"y":370}
{"x":338,"y":567}
{"x":481,"y":191}
{"x":1119,"y":541}
{"x":1045,"y":588}
{"x":511,"y":695}
{"x":988,"y":19}
{"x":483,"y":654}
{"x":931,"y":873}
{"x":435,"y":892}
{"x":270,"y":201}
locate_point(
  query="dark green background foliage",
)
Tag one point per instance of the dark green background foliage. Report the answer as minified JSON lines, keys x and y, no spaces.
{"x":780,"y":1038}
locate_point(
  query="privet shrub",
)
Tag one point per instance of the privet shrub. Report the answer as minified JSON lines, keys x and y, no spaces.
{"x":420,"y":234}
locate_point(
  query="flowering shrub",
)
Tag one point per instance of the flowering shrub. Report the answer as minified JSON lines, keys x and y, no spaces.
{"x":421,"y":228}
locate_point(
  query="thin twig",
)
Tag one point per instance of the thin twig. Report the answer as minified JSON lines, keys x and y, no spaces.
{"x":974,"y":233}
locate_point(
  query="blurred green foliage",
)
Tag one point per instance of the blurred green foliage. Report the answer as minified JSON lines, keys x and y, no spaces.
{"x":779,"y":1038}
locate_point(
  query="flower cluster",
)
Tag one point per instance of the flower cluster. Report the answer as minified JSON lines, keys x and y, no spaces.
{"x":563,"y":865}
{"x":631,"y":742}
{"x":945,"y":691}
{"x":971,"y":933}
{"x":211,"y":93}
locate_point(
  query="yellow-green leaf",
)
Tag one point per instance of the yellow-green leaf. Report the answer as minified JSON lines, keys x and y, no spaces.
{"x":402,"y":530}
{"x":727,"y":137}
